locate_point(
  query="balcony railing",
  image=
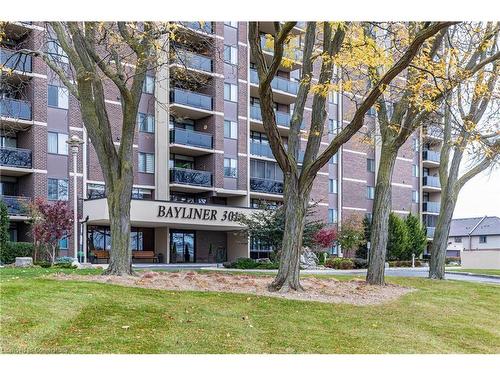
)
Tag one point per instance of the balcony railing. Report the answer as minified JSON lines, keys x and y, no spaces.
{"x":278,"y":83}
{"x":261,"y":149}
{"x":194,"y":61}
{"x":433,"y":131}
{"x":190,"y":98}
{"x":431,"y":207}
{"x":15,"y":60}
{"x":190,"y":177}
{"x":430,"y":232}
{"x":263,"y":185}
{"x":230,"y":172}
{"x":282,"y":118}
{"x":191,"y":138}
{"x":293,"y":53}
{"x":432,"y":181}
{"x":429,"y":155}
{"x":199,"y":26}
{"x":15,"y":108}
{"x":16,"y":206}
{"x":15,"y":157}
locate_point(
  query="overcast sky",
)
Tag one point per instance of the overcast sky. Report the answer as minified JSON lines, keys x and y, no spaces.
{"x":480,"y":196}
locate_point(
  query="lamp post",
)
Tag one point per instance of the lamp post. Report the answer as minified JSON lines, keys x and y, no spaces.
{"x":74,"y":144}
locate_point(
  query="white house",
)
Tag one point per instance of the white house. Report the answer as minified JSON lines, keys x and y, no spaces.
{"x":476,"y":240}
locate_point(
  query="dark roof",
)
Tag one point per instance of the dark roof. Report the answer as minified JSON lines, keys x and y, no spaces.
{"x":488,"y":225}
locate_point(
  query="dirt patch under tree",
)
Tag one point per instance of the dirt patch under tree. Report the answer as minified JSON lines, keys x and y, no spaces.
{"x":330,"y":290}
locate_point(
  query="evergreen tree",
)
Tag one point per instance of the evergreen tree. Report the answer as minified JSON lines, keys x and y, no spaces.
{"x":362,"y":251}
{"x":4,"y":225}
{"x":397,"y":241}
{"x":417,"y":238}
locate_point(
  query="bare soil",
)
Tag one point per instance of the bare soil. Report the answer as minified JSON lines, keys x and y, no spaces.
{"x":329,"y":290}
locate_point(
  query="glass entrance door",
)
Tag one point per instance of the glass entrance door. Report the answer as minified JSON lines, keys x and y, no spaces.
{"x":182,"y":246}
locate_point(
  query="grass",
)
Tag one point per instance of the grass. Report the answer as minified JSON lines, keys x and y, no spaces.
{"x":40,"y":315}
{"x":478,"y":271}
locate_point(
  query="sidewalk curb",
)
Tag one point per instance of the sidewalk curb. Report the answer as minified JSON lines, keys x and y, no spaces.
{"x":473,"y":274}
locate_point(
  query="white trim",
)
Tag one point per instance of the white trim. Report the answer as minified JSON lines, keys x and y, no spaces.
{"x":39,"y":123}
{"x":152,"y":187}
{"x":134,"y":146}
{"x":242,"y":44}
{"x":354,"y":180}
{"x":74,"y":128}
{"x":354,"y":208}
{"x":320,"y":204}
{"x":355,"y":152}
{"x":242,"y":118}
{"x":242,"y":154}
{"x":112,"y":102}
{"x":77,"y":174}
{"x":242,"y":81}
{"x":324,"y":173}
{"x":219,"y":151}
{"x":401,"y":211}
{"x":401,"y":185}
{"x":405,"y":159}
{"x":44,"y":171}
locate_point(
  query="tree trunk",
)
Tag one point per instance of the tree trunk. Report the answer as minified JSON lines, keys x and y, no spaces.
{"x":440,"y":240}
{"x":381,"y":210}
{"x":295,"y":203}
{"x":120,"y":257}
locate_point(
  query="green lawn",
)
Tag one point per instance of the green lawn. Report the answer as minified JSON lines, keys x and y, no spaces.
{"x":482,"y":272}
{"x":47,"y":316}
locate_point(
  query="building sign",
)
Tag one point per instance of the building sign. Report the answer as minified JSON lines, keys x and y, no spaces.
{"x":192,"y":213}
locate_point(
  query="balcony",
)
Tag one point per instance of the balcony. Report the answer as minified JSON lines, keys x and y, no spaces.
{"x":190,"y":104}
{"x":15,"y":109}
{"x":431,"y":207}
{"x":16,"y":206}
{"x":10,"y":59}
{"x":433,"y":132}
{"x":15,"y":161}
{"x":204,"y":27}
{"x":194,"y":61}
{"x":431,"y":158}
{"x":284,"y":90}
{"x":292,"y":55}
{"x":190,"y":179}
{"x":430,"y":232}
{"x":262,"y":185}
{"x":261,"y":149}
{"x":189,"y":142}
{"x":431,"y":183}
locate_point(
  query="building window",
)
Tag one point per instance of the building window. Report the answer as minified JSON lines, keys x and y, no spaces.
{"x":63,"y":243}
{"x":333,"y":159}
{"x":332,"y":97}
{"x":457,"y":239}
{"x":370,"y":192}
{"x":370,"y":165}
{"x":230,"y":167}
{"x":58,"y":189}
{"x":230,"y":92}
{"x":146,"y":122}
{"x":414,"y":196}
{"x":57,"y":97}
{"x":95,"y":191}
{"x":57,"y":143}
{"x":231,"y":23}
{"x":333,"y":126}
{"x":146,"y":162}
{"x":482,"y":239}
{"x":148,"y":86}
{"x":372,"y":111}
{"x":56,"y":52}
{"x":416,"y":144}
{"x":415,"y":170}
{"x":369,"y":216}
{"x":140,"y":193}
{"x":332,"y":216}
{"x":332,"y":186}
{"x":230,"y":54}
{"x":230,"y":129}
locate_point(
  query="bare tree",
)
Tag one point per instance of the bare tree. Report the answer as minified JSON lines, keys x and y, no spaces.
{"x":403,"y":108}
{"x":336,"y":43}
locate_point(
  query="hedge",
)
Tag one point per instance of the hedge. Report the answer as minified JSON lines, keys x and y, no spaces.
{"x":11,"y":250}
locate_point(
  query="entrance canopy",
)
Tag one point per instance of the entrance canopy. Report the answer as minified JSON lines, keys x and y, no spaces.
{"x":149,"y":213}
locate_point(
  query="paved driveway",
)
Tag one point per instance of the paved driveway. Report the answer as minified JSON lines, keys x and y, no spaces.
{"x":401,"y":272}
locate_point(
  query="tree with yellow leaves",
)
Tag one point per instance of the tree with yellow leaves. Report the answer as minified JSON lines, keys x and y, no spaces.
{"x":330,"y":45}
{"x":416,"y":101}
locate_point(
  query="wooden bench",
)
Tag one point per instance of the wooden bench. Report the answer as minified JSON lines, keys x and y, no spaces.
{"x":101,"y":254}
{"x":145,"y":254}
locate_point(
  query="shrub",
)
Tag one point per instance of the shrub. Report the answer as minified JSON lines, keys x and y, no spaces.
{"x":267,"y":266}
{"x":397,"y":240}
{"x":242,"y":263}
{"x":64,"y":260}
{"x":449,"y":260}
{"x":360,"y":263}
{"x":340,"y":263}
{"x":43,"y":264}
{"x":11,"y":250}
{"x":404,"y":263}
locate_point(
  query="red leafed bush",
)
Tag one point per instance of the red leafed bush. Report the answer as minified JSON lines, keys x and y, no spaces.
{"x":326,"y":237}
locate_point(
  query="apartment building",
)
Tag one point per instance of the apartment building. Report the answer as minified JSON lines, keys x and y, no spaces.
{"x":201,"y":154}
